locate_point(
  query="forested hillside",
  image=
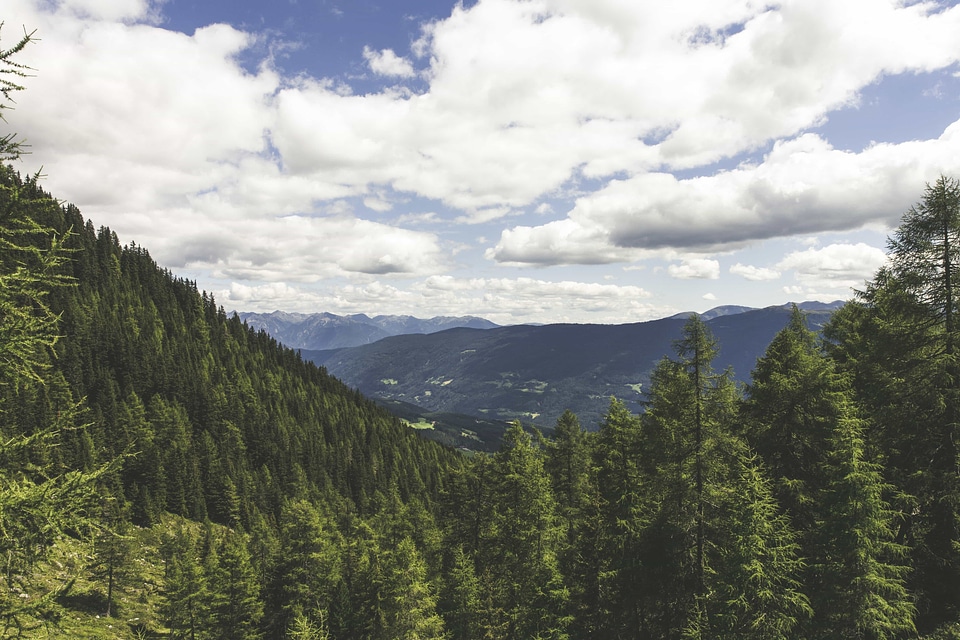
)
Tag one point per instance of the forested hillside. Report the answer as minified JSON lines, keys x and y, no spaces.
{"x":187,"y":476}
{"x":167,"y":472}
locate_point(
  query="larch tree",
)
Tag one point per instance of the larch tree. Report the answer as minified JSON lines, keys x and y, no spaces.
{"x":720,"y":560}
{"x":859,"y":585}
{"x":40,"y":501}
{"x":523,"y":552}
{"x":898,"y":340}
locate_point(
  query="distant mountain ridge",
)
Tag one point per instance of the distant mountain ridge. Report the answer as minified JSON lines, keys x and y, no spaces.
{"x":732,"y":309}
{"x":535,"y":372}
{"x":319,"y":331}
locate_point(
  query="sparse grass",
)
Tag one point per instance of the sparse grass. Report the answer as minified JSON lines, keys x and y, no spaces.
{"x":423,"y":424}
{"x":137,"y":596}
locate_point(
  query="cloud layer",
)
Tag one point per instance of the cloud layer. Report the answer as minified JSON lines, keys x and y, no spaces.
{"x":638,"y":132}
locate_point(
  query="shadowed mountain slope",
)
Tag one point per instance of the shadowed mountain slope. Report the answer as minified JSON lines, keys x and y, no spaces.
{"x":536,"y":372}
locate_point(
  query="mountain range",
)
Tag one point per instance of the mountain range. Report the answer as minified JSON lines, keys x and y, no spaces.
{"x":330,"y":331}
{"x":534,"y":373}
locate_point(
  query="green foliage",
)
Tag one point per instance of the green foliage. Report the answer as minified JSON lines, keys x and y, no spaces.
{"x":898,"y":344}
{"x":186,"y":607}
{"x":795,"y":401}
{"x":134,"y":411}
{"x":723,"y":562}
{"x":10,"y":73}
{"x":43,"y":498}
{"x":859,"y":576}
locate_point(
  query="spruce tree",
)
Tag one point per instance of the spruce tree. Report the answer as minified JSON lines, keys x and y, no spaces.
{"x":236,"y":605}
{"x":409,"y":599}
{"x":523,"y":551}
{"x":573,"y":480}
{"x":112,"y":549}
{"x":460,"y":598}
{"x":720,"y":561}
{"x":795,"y":400}
{"x":185,"y":588}
{"x":898,"y":340}
{"x":617,"y":579}
{"x":858,"y":589}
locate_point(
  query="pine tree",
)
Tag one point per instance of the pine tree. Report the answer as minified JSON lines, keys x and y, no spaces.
{"x":573,"y":480}
{"x":616,"y":581}
{"x":40,"y":500}
{"x":898,"y":340}
{"x":460,"y":599}
{"x":568,"y":463}
{"x":408,"y":598}
{"x":794,"y":402}
{"x":756,"y":591}
{"x":236,"y":606}
{"x":859,"y":586}
{"x":112,"y":548}
{"x":719,"y":559}
{"x":310,"y":564}
{"x":185,"y":589}
{"x":522,"y":553}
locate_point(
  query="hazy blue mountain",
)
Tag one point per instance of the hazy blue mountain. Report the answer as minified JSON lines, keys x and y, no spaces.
{"x":733,"y":309}
{"x":535,"y":372}
{"x":330,"y":331}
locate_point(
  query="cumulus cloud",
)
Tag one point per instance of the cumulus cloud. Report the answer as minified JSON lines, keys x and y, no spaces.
{"x":168,"y":139}
{"x":515,"y":300}
{"x":695,"y":269}
{"x":388,"y":63}
{"x":803,"y":186}
{"x":503,"y":300}
{"x":836,"y":266}
{"x":756,"y":274}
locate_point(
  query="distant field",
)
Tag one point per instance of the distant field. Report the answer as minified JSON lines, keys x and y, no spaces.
{"x":423,"y":424}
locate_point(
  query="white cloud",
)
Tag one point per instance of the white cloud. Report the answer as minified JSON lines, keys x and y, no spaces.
{"x":709,"y":296}
{"x":120,"y":10}
{"x":377,"y":204}
{"x":836,"y":266}
{"x":756,"y":274}
{"x":503,"y":300}
{"x":695,"y":269}
{"x":166,"y":138}
{"x":512,"y":300}
{"x":803,"y":186}
{"x":388,"y":63}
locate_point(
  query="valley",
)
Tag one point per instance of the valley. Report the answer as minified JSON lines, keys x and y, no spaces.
{"x":535,"y":373}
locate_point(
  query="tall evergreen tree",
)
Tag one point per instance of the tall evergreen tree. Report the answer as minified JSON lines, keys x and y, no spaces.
{"x":899,"y":342}
{"x":721,"y":561}
{"x":185,"y":589}
{"x":616,"y":580}
{"x":460,"y":598}
{"x":794,"y":403}
{"x":309,"y":565}
{"x":858,"y":587}
{"x":410,"y":602}
{"x":41,"y":500}
{"x":522,"y":553}
{"x":236,"y":605}
{"x":112,"y":549}
{"x":569,"y":464}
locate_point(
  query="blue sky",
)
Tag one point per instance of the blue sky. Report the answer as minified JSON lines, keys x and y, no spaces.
{"x":522,"y":160}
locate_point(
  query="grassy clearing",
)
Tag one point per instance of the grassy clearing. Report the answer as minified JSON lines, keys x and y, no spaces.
{"x":422,"y":424}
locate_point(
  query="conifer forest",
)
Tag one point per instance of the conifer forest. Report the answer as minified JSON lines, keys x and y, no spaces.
{"x":168,"y":472}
